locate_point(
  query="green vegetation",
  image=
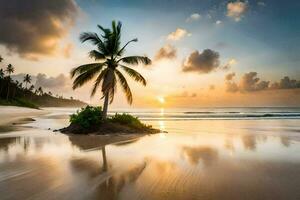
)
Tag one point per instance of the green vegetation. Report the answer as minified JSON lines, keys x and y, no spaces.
{"x":14,"y":94}
{"x":109,"y":62}
{"x":129,"y":120}
{"x":87,"y":117}
{"x":90,"y":120}
{"x":18,"y":102}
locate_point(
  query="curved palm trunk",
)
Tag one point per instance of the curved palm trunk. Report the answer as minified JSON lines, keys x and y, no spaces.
{"x":105,"y":106}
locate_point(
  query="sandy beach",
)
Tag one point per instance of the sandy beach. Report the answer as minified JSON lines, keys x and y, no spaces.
{"x":196,"y":159}
{"x":11,"y":114}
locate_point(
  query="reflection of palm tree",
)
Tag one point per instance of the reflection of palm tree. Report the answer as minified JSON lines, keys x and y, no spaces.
{"x":9,"y":69}
{"x":249,"y":142}
{"x":27,"y":79}
{"x":104,"y":159}
{"x":109,"y":52}
{"x":285,"y":141}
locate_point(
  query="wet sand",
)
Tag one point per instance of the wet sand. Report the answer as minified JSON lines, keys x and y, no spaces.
{"x":223,"y":159}
{"x":11,"y":114}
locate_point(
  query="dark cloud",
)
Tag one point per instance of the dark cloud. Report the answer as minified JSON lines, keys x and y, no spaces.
{"x":286,"y":83}
{"x":250,"y":82}
{"x":35,"y":27}
{"x":204,"y":62}
{"x":229,"y":76}
{"x":60,"y":81}
{"x":166,"y":52}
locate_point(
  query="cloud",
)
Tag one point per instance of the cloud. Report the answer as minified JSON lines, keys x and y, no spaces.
{"x":193,"y":17}
{"x":60,"y":81}
{"x":178,"y":34}
{"x":236,"y":10}
{"x":184,"y":94}
{"x":67,"y":50}
{"x":286,"y":83}
{"x":250,"y":82}
{"x":203,"y":63}
{"x":229,"y":76}
{"x":33,"y":28}
{"x":218,"y":22}
{"x":231,"y":86}
{"x":221,"y":45}
{"x":166,"y":52}
{"x":229,"y":64}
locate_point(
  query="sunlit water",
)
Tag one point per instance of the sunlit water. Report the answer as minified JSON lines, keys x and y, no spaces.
{"x":240,"y":154}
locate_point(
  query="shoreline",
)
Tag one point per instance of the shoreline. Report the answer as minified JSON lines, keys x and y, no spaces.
{"x":11,"y":114}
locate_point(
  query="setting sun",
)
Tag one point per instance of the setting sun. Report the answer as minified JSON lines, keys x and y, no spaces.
{"x":161,"y":100}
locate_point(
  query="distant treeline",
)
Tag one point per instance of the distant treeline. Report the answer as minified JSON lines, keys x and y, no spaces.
{"x":24,"y":94}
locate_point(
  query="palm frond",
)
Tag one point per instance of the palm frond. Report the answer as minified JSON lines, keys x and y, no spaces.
{"x":85,"y":77}
{"x":98,"y":81}
{"x":89,"y":36}
{"x":83,"y":68}
{"x":134,"y":74}
{"x":95,"y":40}
{"x":123,"y":48}
{"x":106,"y":31}
{"x":134,"y":60}
{"x":125,"y":86}
{"x":94,"y":54}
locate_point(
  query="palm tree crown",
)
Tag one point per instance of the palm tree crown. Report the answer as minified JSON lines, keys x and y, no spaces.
{"x":1,"y":73}
{"x":31,"y":88}
{"x":27,"y":79}
{"x":108,"y":56}
{"x":10,"y":69}
{"x":40,"y":91}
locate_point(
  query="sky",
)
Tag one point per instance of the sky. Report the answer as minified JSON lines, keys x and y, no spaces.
{"x":204,"y":53}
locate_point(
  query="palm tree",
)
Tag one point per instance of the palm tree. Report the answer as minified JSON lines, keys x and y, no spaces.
{"x":27,"y":79}
{"x":31,"y":88}
{"x":1,"y":59}
{"x":1,"y":73}
{"x":50,"y":93}
{"x":109,"y":60}
{"x":40,"y":91}
{"x":1,"y":79}
{"x":9,"y":69}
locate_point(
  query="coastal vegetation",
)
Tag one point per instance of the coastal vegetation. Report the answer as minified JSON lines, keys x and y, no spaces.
{"x":15,"y":93}
{"x":90,"y":120}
